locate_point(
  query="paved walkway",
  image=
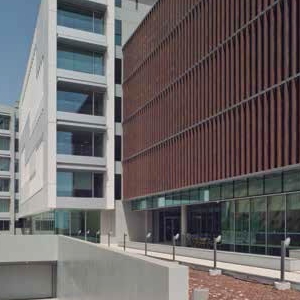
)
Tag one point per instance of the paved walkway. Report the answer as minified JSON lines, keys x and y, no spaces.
{"x":242,"y":269}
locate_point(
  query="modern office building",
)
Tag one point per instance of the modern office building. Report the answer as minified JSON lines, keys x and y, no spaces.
{"x":70,"y":116}
{"x":211,"y":123}
{"x":9,"y":169}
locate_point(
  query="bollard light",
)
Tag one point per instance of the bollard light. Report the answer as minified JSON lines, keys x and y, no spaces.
{"x":148,"y":236}
{"x":98,"y":234}
{"x":175,"y":238}
{"x":216,"y":241}
{"x":124,"y":246}
{"x":284,"y":244}
{"x":108,"y":238}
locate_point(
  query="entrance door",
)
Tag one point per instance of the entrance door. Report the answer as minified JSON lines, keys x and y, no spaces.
{"x":172,"y":227}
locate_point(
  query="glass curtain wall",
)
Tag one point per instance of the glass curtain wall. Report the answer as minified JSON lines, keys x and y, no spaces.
{"x":81,"y":19}
{"x":80,"y":60}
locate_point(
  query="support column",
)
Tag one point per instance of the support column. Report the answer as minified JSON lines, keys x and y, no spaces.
{"x":183,"y":225}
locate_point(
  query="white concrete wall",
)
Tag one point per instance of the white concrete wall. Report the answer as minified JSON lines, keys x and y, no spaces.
{"x":87,"y":271}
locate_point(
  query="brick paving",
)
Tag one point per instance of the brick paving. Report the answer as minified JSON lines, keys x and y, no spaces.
{"x":229,"y":288}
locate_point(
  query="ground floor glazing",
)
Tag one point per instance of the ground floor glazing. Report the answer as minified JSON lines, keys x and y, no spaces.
{"x":84,"y":225}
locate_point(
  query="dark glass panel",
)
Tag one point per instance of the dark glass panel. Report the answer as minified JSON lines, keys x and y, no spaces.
{"x":240,"y":189}
{"x":227,"y":225}
{"x":242,"y":217}
{"x":227,"y":190}
{"x":256,"y":186}
{"x":273,"y":183}
{"x":291,"y":181}
{"x":98,"y":185}
{"x":293,"y":218}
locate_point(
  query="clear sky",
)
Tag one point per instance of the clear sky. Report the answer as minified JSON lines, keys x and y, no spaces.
{"x":17,"y":23}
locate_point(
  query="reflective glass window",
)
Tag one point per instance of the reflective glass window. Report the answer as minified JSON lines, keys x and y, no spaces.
{"x":273,"y":183}
{"x":291,"y":181}
{"x":242,"y":217}
{"x":240,"y":189}
{"x":276,"y":223}
{"x":118,"y":71}
{"x":293,"y":218}
{"x":118,"y":186}
{"x":214,"y":192}
{"x":118,"y":3}
{"x":80,"y":60}
{"x":118,"y":148}
{"x":4,"y":143}
{"x":79,"y":184}
{"x":4,"y":122}
{"x":4,"y":205}
{"x":4,"y":185}
{"x":118,"y":109}
{"x":256,"y":186}
{"x":227,"y":225}
{"x":80,"y":19}
{"x":4,"y":164}
{"x":118,"y":32}
{"x":227,"y":190}
{"x":258,"y":225}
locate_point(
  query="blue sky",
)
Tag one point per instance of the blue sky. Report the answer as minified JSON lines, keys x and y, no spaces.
{"x":17,"y":23}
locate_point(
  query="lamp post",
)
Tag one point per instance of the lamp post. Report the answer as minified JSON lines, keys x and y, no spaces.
{"x":148,"y":236}
{"x":283,"y":285}
{"x":87,"y":234}
{"x":175,"y":238}
{"x":124,"y":245}
{"x":108,"y":238}
{"x":215,"y":271}
{"x":98,"y":234}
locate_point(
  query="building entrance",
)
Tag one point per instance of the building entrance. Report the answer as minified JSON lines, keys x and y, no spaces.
{"x":172,"y":227}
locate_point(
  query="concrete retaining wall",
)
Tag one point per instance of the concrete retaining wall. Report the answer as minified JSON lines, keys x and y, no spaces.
{"x":88,"y":271}
{"x":260,"y":261}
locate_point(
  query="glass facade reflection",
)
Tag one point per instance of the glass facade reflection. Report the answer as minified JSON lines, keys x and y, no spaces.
{"x":76,"y":100}
{"x":253,"y":215}
{"x":82,"y":143}
{"x":4,"y":122}
{"x":83,"y":225}
{"x":78,"y":18}
{"x":80,"y":60}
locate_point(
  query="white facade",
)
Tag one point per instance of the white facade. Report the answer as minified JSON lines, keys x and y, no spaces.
{"x":41,"y":118}
{"x":9,"y":175}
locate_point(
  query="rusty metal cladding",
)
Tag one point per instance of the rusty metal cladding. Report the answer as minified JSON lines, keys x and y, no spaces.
{"x":211,"y":91}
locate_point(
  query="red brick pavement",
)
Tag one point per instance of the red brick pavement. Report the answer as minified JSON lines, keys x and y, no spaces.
{"x":229,"y":288}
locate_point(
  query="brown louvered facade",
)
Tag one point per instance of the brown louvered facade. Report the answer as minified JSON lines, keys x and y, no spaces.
{"x":211,"y":91}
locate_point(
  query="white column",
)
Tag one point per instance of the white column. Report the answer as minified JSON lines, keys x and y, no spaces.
{"x":183,"y":225}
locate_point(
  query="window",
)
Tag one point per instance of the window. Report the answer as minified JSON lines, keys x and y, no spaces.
{"x":4,"y":205}
{"x":4,"y":185}
{"x":118,"y":32}
{"x":78,"y":18}
{"x":81,"y":143}
{"x":118,"y":186}
{"x":4,"y":143}
{"x":4,"y":122}
{"x":16,"y":186}
{"x":242,"y":217}
{"x":256,"y":186}
{"x":240,"y":188}
{"x":16,"y":125}
{"x":75,"y":100}
{"x":80,"y":60}
{"x":273,"y":183}
{"x":16,"y":206}
{"x":214,"y":192}
{"x":16,"y":145}
{"x":227,"y":190}
{"x":118,"y":109}
{"x":16,"y":166}
{"x":118,"y":148}
{"x":291,"y":181}
{"x":136,"y":4}
{"x":4,"y":164}
{"x":118,"y":3}
{"x":293,"y":218}
{"x":79,"y":184}
{"x":118,"y":71}
{"x":4,"y":225}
